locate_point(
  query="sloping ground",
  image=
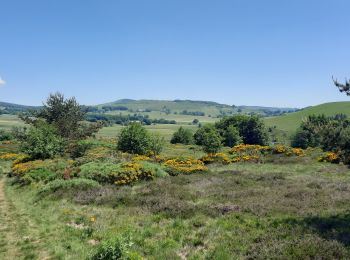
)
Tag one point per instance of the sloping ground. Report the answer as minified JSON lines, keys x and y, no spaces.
{"x":290,"y":122}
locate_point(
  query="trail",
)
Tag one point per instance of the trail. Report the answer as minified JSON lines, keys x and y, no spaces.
{"x":19,"y":236}
{"x":8,"y":237}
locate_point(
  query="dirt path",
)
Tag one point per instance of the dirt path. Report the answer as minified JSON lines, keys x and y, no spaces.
{"x":8,"y":236}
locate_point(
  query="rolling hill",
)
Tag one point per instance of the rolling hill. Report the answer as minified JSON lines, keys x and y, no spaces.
{"x":290,"y":122}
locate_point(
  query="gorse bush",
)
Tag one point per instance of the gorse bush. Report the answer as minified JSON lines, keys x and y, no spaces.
{"x":182,"y":136}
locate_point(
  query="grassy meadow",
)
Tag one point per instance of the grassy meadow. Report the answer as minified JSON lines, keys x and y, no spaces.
{"x":285,"y":208}
{"x":245,"y":202}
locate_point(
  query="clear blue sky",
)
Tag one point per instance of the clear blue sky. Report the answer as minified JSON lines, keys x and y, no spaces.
{"x":243,"y":52}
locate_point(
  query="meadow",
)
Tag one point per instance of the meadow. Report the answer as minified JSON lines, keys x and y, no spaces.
{"x":244,"y":202}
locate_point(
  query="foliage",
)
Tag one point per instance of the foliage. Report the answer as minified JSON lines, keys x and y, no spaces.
{"x":232,"y":136}
{"x":115,"y":248}
{"x":156,"y":144}
{"x":199,"y":134}
{"x":65,"y":115}
{"x":182,"y":136}
{"x":42,"y":142}
{"x":5,"y":136}
{"x":211,"y":141}
{"x":329,"y":157}
{"x":63,"y":185}
{"x":251,"y":128}
{"x":39,"y":175}
{"x":343,"y":87}
{"x":120,"y":174}
{"x":134,"y":139}
{"x":184,"y":165}
{"x":329,"y":133}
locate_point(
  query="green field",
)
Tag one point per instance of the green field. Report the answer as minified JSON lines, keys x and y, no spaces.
{"x":286,"y":209}
{"x":9,"y":121}
{"x":290,"y":122}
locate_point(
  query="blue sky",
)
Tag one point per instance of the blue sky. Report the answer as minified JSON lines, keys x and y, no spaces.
{"x":243,"y":52}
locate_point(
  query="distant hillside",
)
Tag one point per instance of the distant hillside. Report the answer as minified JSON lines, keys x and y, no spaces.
{"x":9,"y":108}
{"x":207,"y":108}
{"x":290,"y":122}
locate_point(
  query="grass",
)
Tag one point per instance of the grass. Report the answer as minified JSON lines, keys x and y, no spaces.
{"x":290,"y":122}
{"x":9,"y":121}
{"x":283,"y":209}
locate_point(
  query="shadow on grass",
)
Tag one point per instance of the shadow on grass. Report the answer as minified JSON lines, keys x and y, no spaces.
{"x":336,"y":227}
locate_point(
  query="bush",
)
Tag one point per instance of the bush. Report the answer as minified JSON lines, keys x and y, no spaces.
{"x":120,"y":174}
{"x":56,"y":185}
{"x":42,"y":142}
{"x":156,"y":144}
{"x":182,"y":136}
{"x":116,"y":248}
{"x":211,"y":141}
{"x":232,"y":136}
{"x":134,"y":139}
{"x":5,"y":136}
{"x":251,"y":128}
{"x":198,"y":135}
{"x":39,"y":175}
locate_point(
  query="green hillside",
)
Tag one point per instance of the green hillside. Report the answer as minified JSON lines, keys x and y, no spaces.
{"x":209,"y":108}
{"x":290,"y":122}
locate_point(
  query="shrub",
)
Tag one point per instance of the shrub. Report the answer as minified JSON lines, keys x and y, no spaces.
{"x":184,"y":165}
{"x":42,"y":142}
{"x":232,"y":136}
{"x":156,"y":144}
{"x":211,"y":141}
{"x":60,"y":184}
{"x":182,"y":136}
{"x":120,"y":174}
{"x":39,"y":175}
{"x":116,"y":248}
{"x":251,"y":128}
{"x":134,"y":139}
{"x":5,"y":136}
{"x":198,"y":135}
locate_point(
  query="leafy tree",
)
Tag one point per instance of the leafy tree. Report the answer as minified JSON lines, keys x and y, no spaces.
{"x":182,"y":136}
{"x":211,"y":141}
{"x":251,"y":128}
{"x":199,"y":134}
{"x":134,"y":139}
{"x":232,"y":136}
{"x":41,"y":142}
{"x":66,"y":115}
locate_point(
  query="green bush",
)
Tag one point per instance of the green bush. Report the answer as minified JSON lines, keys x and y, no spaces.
{"x":157,"y":169}
{"x":134,"y":139}
{"x":116,"y":248}
{"x":198,"y":135}
{"x":212,"y":141}
{"x":251,"y":128}
{"x":182,"y":136}
{"x":39,"y":175}
{"x":156,"y":144}
{"x":60,"y":184}
{"x":102,"y":172}
{"x":232,"y":136}
{"x":5,"y":136}
{"x":42,"y":142}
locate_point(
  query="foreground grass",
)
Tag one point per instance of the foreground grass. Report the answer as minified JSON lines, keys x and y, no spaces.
{"x":286,"y":210}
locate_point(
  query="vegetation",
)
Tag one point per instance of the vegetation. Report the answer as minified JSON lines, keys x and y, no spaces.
{"x":182,"y":136}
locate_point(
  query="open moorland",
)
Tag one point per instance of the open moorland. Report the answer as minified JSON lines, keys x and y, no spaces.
{"x":178,"y":199}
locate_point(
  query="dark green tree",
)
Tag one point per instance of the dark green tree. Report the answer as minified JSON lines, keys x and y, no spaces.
{"x":212,"y":141}
{"x":182,"y":136}
{"x":134,"y":139}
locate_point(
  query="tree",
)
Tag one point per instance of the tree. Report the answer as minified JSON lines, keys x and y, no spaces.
{"x":66,"y":115}
{"x":199,"y":134}
{"x":251,"y":128}
{"x":211,"y":141}
{"x":232,"y":136}
{"x":182,"y":136}
{"x":343,"y":87}
{"x":134,"y":139}
{"x":41,"y":142}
